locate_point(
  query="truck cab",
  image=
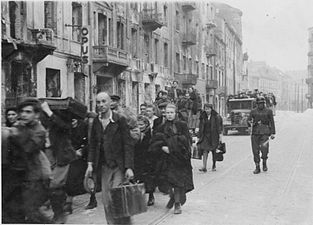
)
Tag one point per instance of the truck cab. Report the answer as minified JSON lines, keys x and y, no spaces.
{"x":238,"y":111}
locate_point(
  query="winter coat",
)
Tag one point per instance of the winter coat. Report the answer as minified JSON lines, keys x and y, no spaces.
{"x":216,"y":129}
{"x":174,"y":168}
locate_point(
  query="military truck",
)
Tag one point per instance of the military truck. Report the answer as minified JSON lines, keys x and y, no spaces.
{"x":238,"y":111}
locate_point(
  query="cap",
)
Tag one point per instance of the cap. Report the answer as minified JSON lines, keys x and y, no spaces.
{"x":162,"y":104}
{"x":260,"y":99}
{"x":115,"y":98}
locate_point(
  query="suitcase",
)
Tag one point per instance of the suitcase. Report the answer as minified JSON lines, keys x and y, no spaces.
{"x":128,"y":200}
{"x":67,"y":104}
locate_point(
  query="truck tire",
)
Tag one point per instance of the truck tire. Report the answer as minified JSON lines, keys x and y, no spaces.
{"x":225,"y":131}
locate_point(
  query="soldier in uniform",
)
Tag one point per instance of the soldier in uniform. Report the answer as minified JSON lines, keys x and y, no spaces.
{"x":263,"y":127}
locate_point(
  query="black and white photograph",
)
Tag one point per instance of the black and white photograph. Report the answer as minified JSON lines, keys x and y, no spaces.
{"x":157,"y":112}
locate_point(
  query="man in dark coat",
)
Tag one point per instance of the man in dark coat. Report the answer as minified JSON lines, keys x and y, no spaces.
{"x":174,"y":92}
{"x":29,"y":167}
{"x":111,"y":146}
{"x":210,"y":134}
{"x":62,"y":154}
{"x":263,"y":126}
{"x":157,"y":122}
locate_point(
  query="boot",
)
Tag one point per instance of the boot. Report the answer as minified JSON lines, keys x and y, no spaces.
{"x":177,"y":209}
{"x":92,"y":202}
{"x":257,"y":168}
{"x":151,"y":199}
{"x":57,"y":200}
{"x":264,"y":166}
{"x":171,"y":202}
{"x":68,"y":208}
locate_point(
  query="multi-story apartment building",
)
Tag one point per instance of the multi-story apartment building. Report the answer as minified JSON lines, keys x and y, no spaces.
{"x":309,"y":80}
{"x":60,"y":49}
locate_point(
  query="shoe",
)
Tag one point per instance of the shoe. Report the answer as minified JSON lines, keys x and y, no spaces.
{"x":257,"y":169}
{"x":59,"y":218}
{"x":170,"y":203}
{"x":68,"y":208}
{"x":213,"y":168}
{"x":151,"y":200}
{"x":177,"y":209}
{"x":264,"y":166}
{"x":203,"y":170}
{"x":92,"y":204}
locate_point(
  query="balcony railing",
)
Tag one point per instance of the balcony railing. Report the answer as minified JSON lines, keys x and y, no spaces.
{"x":211,"y":24}
{"x":110,"y":54}
{"x":189,"y":38}
{"x":221,"y":90}
{"x":309,"y":80}
{"x":210,"y":51}
{"x":212,"y":84}
{"x":43,"y":36}
{"x":151,"y":20}
{"x":188,"y":6}
{"x":186,"y":78}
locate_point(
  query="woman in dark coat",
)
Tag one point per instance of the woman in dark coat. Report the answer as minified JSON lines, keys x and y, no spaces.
{"x":144,"y":160}
{"x":173,"y":140}
{"x":210,"y":134}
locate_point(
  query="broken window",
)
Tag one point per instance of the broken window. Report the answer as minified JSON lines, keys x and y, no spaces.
{"x":79,"y":86}
{"x":134,"y":42}
{"x":102,"y":30}
{"x":51,"y":15}
{"x":76,"y":21}
{"x":53,"y":88}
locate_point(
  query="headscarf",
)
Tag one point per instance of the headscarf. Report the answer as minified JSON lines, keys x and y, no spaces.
{"x":146,"y":122}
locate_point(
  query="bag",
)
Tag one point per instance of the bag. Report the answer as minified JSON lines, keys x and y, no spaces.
{"x":128,"y":200}
{"x":196,"y":154}
{"x":221,"y":149}
{"x":69,"y":104}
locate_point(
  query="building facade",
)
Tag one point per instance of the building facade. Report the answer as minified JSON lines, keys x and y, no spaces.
{"x":77,"y":49}
{"x":309,"y":80}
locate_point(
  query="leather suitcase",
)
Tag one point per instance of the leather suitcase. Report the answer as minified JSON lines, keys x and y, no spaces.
{"x":128,"y":200}
{"x":67,"y":104}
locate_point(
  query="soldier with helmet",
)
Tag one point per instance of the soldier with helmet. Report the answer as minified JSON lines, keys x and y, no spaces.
{"x":263,"y":127}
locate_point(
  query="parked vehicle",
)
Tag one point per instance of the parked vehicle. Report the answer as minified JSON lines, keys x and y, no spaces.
{"x":238,"y":111}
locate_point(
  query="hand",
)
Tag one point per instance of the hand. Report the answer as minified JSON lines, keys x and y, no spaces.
{"x":272,"y":136}
{"x":89,"y":170}
{"x":79,"y":152}
{"x":45,"y":107}
{"x":129,"y":174}
{"x":165,"y":149}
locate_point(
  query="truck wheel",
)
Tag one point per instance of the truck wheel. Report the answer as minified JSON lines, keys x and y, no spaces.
{"x":225,"y":132}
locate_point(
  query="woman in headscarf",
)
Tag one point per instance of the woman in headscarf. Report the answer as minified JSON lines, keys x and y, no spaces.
{"x":144,"y":160}
{"x":172,"y":139}
{"x":10,"y":116}
{"x":210,"y":134}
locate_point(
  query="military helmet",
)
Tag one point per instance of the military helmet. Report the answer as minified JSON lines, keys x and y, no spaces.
{"x":260,"y":99}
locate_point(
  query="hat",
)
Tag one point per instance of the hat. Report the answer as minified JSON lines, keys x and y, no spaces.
{"x":162,"y":104}
{"x":115,"y":98}
{"x":89,"y":185}
{"x":260,"y":99}
{"x":29,"y":101}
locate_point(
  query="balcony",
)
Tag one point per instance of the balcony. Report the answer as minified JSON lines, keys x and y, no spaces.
{"x":310,"y":53}
{"x":151,"y":20}
{"x":189,"y":38}
{"x":114,"y":58}
{"x":211,"y":24}
{"x":309,"y":80}
{"x":210,"y":51}
{"x":188,"y":6}
{"x":186,"y":78}
{"x":212,"y":84}
{"x":221,"y":91}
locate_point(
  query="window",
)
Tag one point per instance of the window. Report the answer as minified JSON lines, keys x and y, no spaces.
{"x":13,"y":12}
{"x":134,"y":42}
{"x":185,"y":63}
{"x":147,"y":48}
{"x":190,"y":65}
{"x":120,"y":35}
{"x":110,"y":32}
{"x":202,"y":71}
{"x":76,"y":20}
{"x":50,"y":15}
{"x":197,"y":68}
{"x":53,"y":83}
{"x":156,"y":48}
{"x":177,"y":63}
{"x":102,"y":29}
{"x":165,"y":13}
{"x":79,"y":87}
{"x":177,"y":20}
{"x":20,"y":82}
{"x":165,"y":55}
{"x":207,"y":72}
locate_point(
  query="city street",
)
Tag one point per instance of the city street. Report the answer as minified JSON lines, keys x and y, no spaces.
{"x":233,"y":194}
